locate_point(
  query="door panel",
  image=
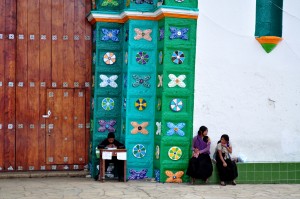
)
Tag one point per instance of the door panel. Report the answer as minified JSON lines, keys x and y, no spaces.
{"x":65,"y":132}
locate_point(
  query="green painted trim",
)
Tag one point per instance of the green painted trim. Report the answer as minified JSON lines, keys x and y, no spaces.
{"x":263,"y":173}
{"x":268,"y":47}
{"x":268,"y":18}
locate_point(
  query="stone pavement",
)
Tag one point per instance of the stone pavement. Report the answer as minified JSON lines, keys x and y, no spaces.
{"x":80,"y":187}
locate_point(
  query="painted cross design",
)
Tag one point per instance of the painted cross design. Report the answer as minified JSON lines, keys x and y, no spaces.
{"x":177,"y":81}
{"x":142,"y":34}
{"x":179,"y":33}
{"x":175,"y":128}
{"x":108,"y":81}
{"x":174,"y":177}
{"x":141,"y":80}
{"x":107,"y":125}
{"x":137,"y":175}
{"x":158,"y":125}
{"x":160,"y":83}
{"x":110,"y":34}
{"x":139,"y":128}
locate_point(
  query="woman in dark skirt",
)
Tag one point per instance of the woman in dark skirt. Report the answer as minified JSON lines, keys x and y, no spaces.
{"x":226,"y":167}
{"x":200,"y":166}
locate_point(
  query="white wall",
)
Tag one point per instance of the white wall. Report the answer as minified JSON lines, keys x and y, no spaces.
{"x":243,"y":91}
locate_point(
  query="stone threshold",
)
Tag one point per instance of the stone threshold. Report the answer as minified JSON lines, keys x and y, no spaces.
{"x":43,"y":174}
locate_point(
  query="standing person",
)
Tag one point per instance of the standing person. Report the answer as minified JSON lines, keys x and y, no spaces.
{"x":111,"y":142}
{"x":226,"y":167}
{"x":200,"y":166}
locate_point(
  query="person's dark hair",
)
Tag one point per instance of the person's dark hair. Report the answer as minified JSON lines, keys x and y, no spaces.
{"x":111,"y":135}
{"x":201,"y":130}
{"x":205,"y":139}
{"x":226,"y":137}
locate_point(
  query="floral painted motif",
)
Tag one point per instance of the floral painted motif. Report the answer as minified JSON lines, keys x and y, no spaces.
{"x":175,"y":128}
{"x":157,"y":175}
{"x":94,"y":58}
{"x":142,"y":57}
{"x":143,"y":34}
{"x":140,"y":104}
{"x":137,"y":175}
{"x":110,"y":34}
{"x":157,"y":152}
{"x":108,"y":81}
{"x":109,"y":3}
{"x":141,"y":81}
{"x":139,"y":151}
{"x":124,"y":104}
{"x":174,"y":177}
{"x":177,"y":81}
{"x":126,"y":35}
{"x":125,"y":81}
{"x":126,"y":58}
{"x":160,"y":57}
{"x":176,"y":105}
{"x":109,"y":58}
{"x":160,"y":83}
{"x":175,"y":153}
{"x":158,"y":125}
{"x":178,"y":57}
{"x":161,"y":34}
{"x":180,"y":33}
{"x":139,"y":128}
{"x":107,"y":125}
{"x":108,"y":104}
{"x":158,"y":104}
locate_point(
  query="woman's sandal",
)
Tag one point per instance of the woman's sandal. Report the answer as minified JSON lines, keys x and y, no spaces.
{"x":223,"y":183}
{"x":233,"y":182}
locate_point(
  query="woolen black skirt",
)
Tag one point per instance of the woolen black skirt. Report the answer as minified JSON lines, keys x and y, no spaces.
{"x":200,"y":168}
{"x":227,"y":173}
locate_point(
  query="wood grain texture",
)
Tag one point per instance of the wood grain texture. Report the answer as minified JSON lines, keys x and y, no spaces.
{"x":79,"y":30}
{"x":45,"y":74}
{"x":33,"y":81}
{"x":57,"y":45}
{"x":21,"y":88}
{"x":68,"y":51}
{"x":67,"y":119}
{"x":80,"y":149}
{"x":2,"y":31}
{"x":88,"y":75}
{"x":9,"y":64}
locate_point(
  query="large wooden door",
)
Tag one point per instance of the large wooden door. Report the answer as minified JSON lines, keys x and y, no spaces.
{"x":45,"y":46}
{"x":65,"y":127}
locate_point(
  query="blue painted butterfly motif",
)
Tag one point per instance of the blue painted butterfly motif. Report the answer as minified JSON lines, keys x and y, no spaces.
{"x":109,"y":125}
{"x":179,"y":33}
{"x":137,"y":175}
{"x":110,"y":34}
{"x":175,"y":128}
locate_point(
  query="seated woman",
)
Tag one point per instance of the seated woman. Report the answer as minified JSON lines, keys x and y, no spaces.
{"x":111,"y":142}
{"x":200,"y":166}
{"x":226,"y":167}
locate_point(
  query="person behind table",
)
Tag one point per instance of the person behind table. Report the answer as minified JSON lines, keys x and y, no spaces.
{"x":226,"y":167}
{"x":111,"y":142}
{"x":200,"y":166}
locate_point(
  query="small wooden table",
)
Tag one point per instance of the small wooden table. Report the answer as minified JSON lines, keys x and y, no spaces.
{"x":102,"y":162}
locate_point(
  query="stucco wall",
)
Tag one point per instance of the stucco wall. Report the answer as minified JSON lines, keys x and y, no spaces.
{"x":243,"y":91}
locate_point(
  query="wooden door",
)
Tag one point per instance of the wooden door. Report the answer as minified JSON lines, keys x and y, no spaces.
{"x":65,"y":127}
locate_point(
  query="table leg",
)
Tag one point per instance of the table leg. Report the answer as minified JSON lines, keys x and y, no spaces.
{"x":125,"y":170}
